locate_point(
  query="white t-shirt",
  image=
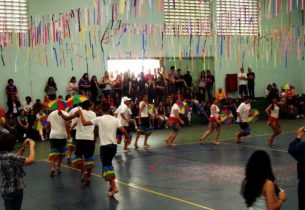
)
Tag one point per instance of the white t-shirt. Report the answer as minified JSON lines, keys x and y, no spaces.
{"x":27,"y":107}
{"x":241,"y":81}
{"x":174,"y":108}
{"x":275,"y":112}
{"x":144,"y":112}
{"x":217,"y":111}
{"x":85,"y":132}
{"x":107,"y":127}
{"x":74,"y":120}
{"x":243,"y":110}
{"x":58,"y":128}
{"x":123,"y":109}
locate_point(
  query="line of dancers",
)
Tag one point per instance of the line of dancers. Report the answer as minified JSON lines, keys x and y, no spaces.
{"x":84,"y":128}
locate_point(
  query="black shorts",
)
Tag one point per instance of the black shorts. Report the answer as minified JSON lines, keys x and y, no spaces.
{"x":244,"y":127}
{"x":58,"y":143}
{"x":84,"y":148}
{"x":291,"y":101}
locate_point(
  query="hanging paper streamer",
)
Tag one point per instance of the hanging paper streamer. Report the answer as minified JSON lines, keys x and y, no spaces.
{"x":119,"y":42}
{"x":55,"y":56}
{"x":2,"y":59}
{"x":286,"y":59}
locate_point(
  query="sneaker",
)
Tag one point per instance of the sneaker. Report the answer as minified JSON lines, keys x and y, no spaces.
{"x":297,"y":117}
{"x":302,"y":116}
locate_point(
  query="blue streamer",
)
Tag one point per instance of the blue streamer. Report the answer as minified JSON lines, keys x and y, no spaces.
{"x":198,"y":46}
{"x":119,"y":42}
{"x":55,"y":55}
{"x":143,"y":45}
{"x":221,"y":45}
{"x":286,"y":59}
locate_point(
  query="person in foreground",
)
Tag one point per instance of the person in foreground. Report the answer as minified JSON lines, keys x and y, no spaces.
{"x":107,"y":127}
{"x":11,"y":170}
{"x":258,"y":188}
{"x":297,"y":150}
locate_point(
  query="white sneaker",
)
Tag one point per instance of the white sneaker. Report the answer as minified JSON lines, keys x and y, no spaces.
{"x":302,"y":116}
{"x":297,"y":117}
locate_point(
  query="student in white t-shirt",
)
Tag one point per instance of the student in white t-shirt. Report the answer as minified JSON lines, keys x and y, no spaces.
{"x":273,"y":111}
{"x":242,"y":119}
{"x":242,"y":83}
{"x":214,"y":123}
{"x":58,"y":140}
{"x":143,"y":123}
{"x":174,"y":121}
{"x":107,"y":127}
{"x":123,"y":114}
{"x":85,"y":142}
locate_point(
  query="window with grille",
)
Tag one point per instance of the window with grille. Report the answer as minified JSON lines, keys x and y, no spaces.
{"x":186,"y":17}
{"x":237,"y":17}
{"x":13,"y":16}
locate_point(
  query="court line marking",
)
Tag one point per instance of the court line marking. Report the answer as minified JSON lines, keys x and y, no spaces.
{"x":227,"y":139}
{"x":135,"y":186}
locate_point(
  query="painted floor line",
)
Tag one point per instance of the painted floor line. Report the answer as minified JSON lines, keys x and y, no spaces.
{"x":144,"y":189}
{"x":227,"y":139}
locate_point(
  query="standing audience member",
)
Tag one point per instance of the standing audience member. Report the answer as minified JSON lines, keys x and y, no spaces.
{"x":106,"y":84}
{"x":180,"y":82}
{"x":171,"y":80}
{"x":11,"y":90}
{"x":297,"y":151}
{"x":188,"y":79}
{"x":94,"y":89}
{"x":258,"y":188}
{"x":160,"y":88}
{"x":84,"y":85}
{"x":202,"y":86}
{"x":14,"y":105}
{"x":242,"y":83}
{"x":11,"y":171}
{"x":209,"y":83}
{"x":251,"y":78}
{"x":72,"y":87}
{"x":51,"y":88}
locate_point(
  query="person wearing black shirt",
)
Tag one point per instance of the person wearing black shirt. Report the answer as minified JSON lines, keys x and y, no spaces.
{"x":160,"y":87}
{"x":297,"y":151}
{"x":209,"y":83}
{"x":188,"y":79}
{"x":251,"y":78}
{"x":180,"y":82}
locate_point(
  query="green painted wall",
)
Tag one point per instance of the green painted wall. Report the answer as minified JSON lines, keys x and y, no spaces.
{"x":28,"y":66}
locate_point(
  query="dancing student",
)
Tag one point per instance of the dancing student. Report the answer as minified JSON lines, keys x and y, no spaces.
{"x":123,"y":115}
{"x":273,"y":111}
{"x":297,"y":151}
{"x":258,"y":188}
{"x":214,"y":123}
{"x":85,"y":142}
{"x":107,"y":127}
{"x":143,"y":123}
{"x":242,"y":119}
{"x":11,"y":170}
{"x":58,"y":140}
{"x":174,"y":121}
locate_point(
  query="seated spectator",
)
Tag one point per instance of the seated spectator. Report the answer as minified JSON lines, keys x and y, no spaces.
{"x":37,"y":106}
{"x":2,"y":122}
{"x":22,"y":125}
{"x":11,"y":124}
{"x":220,"y":95}
{"x":28,"y":104}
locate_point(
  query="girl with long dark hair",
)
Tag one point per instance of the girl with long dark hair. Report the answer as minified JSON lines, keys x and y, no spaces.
{"x":51,"y":88}
{"x":258,"y":188}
